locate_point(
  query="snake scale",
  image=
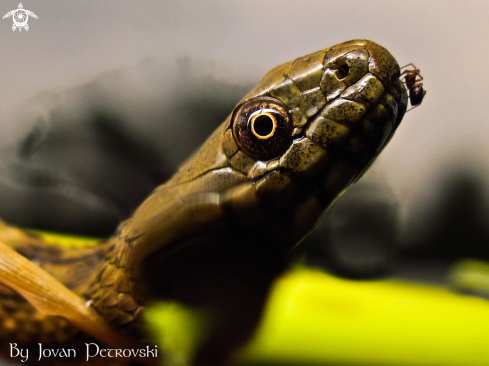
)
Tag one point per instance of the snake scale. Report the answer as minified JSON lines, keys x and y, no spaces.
{"x":217,"y":233}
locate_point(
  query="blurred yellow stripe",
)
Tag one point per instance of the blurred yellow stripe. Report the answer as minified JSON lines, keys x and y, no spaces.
{"x":315,"y":319}
{"x":67,"y":240}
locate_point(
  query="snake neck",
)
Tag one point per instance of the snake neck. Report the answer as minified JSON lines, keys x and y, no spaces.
{"x":116,"y":291}
{"x":100,"y":273}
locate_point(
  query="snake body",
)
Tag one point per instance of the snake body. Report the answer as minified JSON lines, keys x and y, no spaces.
{"x":217,"y":233}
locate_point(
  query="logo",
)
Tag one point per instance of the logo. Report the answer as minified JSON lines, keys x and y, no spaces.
{"x":20,"y":17}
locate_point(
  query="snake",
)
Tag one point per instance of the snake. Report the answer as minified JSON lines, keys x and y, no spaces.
{"x":219,"y":232}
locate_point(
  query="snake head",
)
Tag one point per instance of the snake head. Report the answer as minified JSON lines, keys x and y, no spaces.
{"x":345,"y":101}
{"x":312,"y":127}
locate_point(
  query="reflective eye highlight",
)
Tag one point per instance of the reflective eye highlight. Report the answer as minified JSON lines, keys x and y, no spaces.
{"x":263,"y":124}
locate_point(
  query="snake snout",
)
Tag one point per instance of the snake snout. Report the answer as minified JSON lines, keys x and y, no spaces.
{"x":364,"y":108}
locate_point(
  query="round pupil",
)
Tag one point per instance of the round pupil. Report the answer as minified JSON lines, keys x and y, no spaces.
{"x":263,"y":125}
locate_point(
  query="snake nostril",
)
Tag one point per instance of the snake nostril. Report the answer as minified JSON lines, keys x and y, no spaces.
{"x":342,"y":72}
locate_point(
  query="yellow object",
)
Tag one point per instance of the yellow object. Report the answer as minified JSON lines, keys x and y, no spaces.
{"x":67,"y":240}
{"x":315,"y":319}
{"x":179,"y":329}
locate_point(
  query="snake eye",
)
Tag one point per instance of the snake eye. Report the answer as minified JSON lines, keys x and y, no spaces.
{"x":262,"y":128}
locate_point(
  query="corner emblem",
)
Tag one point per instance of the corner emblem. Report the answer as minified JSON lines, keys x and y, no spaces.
{"x":20,"y":17}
